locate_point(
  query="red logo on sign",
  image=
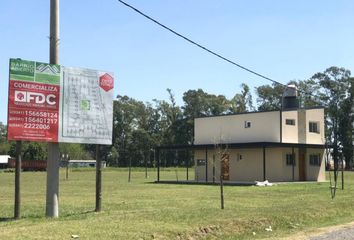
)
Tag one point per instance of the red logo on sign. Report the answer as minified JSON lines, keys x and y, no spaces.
{"x":20,"y":96}
{"x":106,"y":82}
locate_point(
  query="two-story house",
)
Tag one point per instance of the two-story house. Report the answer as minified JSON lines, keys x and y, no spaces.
{"x":285,"y":145}
{"x":282,"y":145}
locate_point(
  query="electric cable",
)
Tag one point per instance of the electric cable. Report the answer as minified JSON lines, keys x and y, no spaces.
{"x":207,"y":49}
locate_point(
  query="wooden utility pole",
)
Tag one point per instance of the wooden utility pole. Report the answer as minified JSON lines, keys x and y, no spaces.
{"x":222,"y":191}
{"x":17,"y":211}
{"x":52,"y":196}
{"x":130,"y":169}
{"x":98,"y":180}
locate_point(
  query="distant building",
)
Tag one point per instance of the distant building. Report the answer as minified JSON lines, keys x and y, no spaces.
{"x":83,"y":163}
{"x":4,"y":161}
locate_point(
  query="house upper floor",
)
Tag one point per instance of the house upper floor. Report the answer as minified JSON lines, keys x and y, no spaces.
{"x":286,"y":126}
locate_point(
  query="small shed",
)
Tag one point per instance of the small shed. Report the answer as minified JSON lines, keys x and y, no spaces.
{"x":4,"y":160}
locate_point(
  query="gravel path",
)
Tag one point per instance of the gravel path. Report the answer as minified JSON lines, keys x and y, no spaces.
{"x":346,"y":233}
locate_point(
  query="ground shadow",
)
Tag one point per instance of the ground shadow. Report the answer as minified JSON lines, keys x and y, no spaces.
{"x":78,"y":213}
{"x":7,"y":219}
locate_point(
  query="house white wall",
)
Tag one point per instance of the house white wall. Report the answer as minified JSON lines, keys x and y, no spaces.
{"x":315,"y":173}
{"x":290,"y":132}
{"x":250,"y":167}
{"x":265,"y":127}
{"x":315,"y":115}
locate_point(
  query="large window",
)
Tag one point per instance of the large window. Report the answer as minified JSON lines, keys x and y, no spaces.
{"x":290,"y":159}
{"x":315,"y":160}
{"x":290,"y":122}
{"x":314,"y":127}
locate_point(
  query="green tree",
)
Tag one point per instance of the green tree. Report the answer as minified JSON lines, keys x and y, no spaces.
{"x":242,"y":102}
{"x":4,"y":144}
{"x":74,"y":151}
{"x":269,"y":97}
{"x":334,"y":93}
{"x":346,"y":124}
{"x":30,"y":150}
{"x":198,"y":103}
{"x":132,"y":117}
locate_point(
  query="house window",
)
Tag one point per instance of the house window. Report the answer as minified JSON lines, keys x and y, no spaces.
{"x":290,"y":159}
{"x":247,"y":124}
{"x":315,"y":160}
{"x":239,"y":157}
{"x":313,"y":127}
{"x":201,"y":162}
{"x":290,"y":122}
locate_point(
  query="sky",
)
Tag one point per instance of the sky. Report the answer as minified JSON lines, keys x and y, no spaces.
{"x":283,"y":40}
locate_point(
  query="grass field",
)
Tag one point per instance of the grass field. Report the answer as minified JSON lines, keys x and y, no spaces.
{"x":143,"y":210}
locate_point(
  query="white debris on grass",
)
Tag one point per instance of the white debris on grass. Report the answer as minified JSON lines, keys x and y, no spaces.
{"x":269,"y":229}
{"x":264,"y":184}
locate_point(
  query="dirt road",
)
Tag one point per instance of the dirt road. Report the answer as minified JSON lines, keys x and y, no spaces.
{"x":339,"y":232}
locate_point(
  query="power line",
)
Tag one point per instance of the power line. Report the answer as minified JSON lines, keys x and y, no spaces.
{"x":205,"y":48}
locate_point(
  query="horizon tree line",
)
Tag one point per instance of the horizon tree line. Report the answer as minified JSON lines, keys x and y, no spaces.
{"x":138,"y":127}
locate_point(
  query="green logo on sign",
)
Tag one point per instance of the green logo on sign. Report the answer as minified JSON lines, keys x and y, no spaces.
{"x":85,"y":105}
{"x":47,"y":73}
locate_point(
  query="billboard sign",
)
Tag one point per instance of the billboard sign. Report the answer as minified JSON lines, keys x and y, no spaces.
{"x":53,"y":103}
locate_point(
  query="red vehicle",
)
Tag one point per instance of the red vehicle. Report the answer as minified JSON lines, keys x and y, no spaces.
{"x":29,"y":165}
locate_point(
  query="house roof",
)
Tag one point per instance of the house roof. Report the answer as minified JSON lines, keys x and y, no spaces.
{"x":284,"y":110}
{"x":239,"y":145}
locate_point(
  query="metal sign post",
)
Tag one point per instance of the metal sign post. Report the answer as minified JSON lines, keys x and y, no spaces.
{"x":52,"y":195}
{"x":98,"y":180}
{"x":52,"y":103}
{"x":17,"y":211}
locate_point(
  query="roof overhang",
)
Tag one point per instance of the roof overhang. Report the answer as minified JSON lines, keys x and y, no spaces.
{"x":240,"y":145}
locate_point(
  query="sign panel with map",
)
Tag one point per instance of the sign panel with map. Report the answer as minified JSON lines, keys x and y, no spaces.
{"x":86,"y":109}
{"x":53,"y":103}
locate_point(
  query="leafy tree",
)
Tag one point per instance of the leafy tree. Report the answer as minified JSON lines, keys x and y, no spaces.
{"x":242,"y":102}
{"x":307,"y":93}
{"x":335,"y":83}
{"x":198,"y":103}
{"x":3,"y":132}
{"x":4,"y":144}
{"x":346,"y":125}
{"x":169,"y":120}
{"x":30,"y":150}
{"x":5,"y":147}
{"x":74,"y":151}
{"x":269,"y":97}
{"x":132,"y":118}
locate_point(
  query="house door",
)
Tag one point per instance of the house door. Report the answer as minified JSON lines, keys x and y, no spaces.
{"x":302,"y":167}
{"x":225,"y":167}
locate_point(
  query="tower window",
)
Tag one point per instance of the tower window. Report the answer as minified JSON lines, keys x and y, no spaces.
{"x":290,"y":122}
{"x":314,"y":127}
